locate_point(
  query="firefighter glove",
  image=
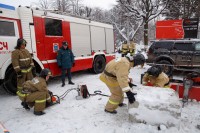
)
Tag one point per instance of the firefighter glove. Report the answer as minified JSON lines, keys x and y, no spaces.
{"x":19,"y":74}
{"x":34,"y":71}
{"x":130,"y":96}
{"x":50,"y":93}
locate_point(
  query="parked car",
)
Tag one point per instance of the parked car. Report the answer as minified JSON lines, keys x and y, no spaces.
{"x":175,"y":54}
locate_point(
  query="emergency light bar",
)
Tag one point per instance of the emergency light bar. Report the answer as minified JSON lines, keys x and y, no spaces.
{"x":7,"y":7}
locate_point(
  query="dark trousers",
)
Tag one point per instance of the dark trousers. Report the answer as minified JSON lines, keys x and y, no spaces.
{"x":64,"y":74}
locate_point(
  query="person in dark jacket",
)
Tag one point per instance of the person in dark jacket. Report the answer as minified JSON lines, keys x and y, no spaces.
{"x":65,"y":61}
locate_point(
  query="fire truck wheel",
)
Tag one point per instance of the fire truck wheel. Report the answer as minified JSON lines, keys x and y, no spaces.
{"x":99,"y":64}
{"x":10,"y":82}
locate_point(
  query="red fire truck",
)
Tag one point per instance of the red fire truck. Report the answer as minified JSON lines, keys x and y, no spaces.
{"x":91,"y":42}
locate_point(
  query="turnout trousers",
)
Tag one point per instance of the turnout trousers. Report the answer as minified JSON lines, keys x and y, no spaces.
{"x":117,"y":95}
{"x":25,"y":76}
{"x":37,"y":99}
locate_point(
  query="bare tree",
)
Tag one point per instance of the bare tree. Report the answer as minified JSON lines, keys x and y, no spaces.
{"x":44,"y":4}
{"x":144,"y":10}
{"x":127,"y":27}
{"x":61,"y":5}
{"x":77,"y":7}
{"x":88,"y":11}
{"x":182,"y":9}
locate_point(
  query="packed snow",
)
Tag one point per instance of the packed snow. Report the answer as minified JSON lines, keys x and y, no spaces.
{"x":157,"y":102}
{"x":87,"y":115}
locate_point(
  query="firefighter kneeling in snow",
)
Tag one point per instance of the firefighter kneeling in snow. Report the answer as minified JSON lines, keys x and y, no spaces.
{"x":115,"y":76}
{"x":35,"y":93}
{"x":155,"y":77}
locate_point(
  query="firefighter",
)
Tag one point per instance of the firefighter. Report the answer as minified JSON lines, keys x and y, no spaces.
{"x":155,"y":77}
{"x":65,"y":61}
{"x":22,"y":63}
{"x":115,"y":76}
{"x":132,"y":47}
{"x":35,"y":93}
{"x":125,"y":49}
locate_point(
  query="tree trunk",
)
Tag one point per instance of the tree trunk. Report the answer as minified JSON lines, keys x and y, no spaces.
{"x":198,"y":9}
{"x":146,"y":33}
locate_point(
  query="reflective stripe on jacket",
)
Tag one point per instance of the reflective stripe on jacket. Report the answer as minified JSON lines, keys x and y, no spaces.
{"x":120,"y":68}
{"x":20,"y":94}
{"x":21,"y":58}
{"x":26,"y":70}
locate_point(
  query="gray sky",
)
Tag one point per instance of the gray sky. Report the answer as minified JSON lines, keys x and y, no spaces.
{"x":104,"y":4}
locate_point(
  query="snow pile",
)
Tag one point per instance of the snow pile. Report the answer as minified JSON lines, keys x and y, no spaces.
{"x":155,"y":103}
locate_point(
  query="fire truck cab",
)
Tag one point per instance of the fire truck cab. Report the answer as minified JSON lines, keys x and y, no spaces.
{"x":91,"y":42}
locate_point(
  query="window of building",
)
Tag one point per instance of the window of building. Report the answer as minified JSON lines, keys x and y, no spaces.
{"x":7,"y":28}
{"x":53,"y":27}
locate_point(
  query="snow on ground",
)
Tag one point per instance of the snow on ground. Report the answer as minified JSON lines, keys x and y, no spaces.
{"x":86,"y":116}
{"x":156,"y":102}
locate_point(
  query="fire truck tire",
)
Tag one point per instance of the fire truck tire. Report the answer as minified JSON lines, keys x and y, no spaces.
{"x":99,"y":64}
{"x":10,"y":82}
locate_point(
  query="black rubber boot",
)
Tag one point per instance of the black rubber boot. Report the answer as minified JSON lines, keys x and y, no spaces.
{"x":25,"y":105}
{"x":39,"y":113}
{"x":71,"y":83}
{"x":112,"y":112}
{"x":63,"y":83}
{"x":48,"y":104}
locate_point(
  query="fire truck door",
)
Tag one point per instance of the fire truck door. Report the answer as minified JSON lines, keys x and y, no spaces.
{"x":39,"y":37}
{"x":54,"y":34}
{"x":53,"y":37}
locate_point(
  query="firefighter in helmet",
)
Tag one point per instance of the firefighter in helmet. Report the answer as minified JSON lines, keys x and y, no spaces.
{"x":35,"y":93}
{"x":155,"y":77}
{"x":125,"y":49}
{"x":132,"y":47}
{"x":115,"y":76}
{"x":22,"y":63}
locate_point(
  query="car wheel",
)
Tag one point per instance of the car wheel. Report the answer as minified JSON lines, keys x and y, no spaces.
{"x":99,"y":64}
{"x":10,"y":82}
{"x":166,"y":67}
